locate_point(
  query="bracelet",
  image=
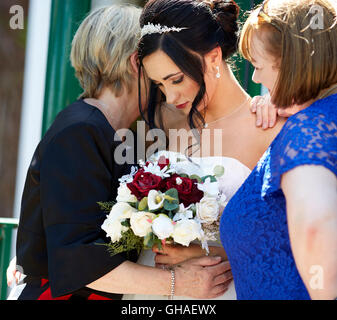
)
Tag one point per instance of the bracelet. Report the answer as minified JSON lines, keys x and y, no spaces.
{"x":173,"y":282}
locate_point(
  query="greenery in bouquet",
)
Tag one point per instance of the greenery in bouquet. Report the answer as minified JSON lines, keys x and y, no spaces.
{"x":159,"y":203}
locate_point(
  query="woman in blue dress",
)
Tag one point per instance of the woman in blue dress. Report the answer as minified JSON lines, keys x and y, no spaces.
{"x":280,"y":229}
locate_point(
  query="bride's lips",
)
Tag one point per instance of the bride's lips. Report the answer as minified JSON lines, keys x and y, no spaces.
{"x":182,"y":106}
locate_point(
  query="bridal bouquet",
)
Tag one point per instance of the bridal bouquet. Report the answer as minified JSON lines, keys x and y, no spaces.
{"x":159,"y":203}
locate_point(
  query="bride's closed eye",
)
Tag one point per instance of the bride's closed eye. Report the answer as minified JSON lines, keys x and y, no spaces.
{"x":174,"y":82}
{"x":180,"y":80}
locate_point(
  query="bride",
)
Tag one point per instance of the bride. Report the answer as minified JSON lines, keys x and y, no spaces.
{"x":184,"y":51}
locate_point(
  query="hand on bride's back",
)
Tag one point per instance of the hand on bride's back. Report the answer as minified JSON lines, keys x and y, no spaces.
{"x":267,"y":113}
{"x":203,"y":277}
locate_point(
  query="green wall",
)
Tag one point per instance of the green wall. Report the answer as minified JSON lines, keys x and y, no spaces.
{"x":62,"y":87}
{"x":244,"y":69}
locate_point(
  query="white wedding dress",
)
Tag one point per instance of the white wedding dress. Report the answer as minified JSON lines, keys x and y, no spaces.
{"x":235,"y":173}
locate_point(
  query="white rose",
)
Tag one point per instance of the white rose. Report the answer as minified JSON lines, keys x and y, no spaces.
{"x":141,"y":223}
{"x":113,"y":228}
{"x":124,"y":194}
{"x":163,"y":227}
{"x":208,"y":210}
{"x":155,"y":200}
{"x":186,"y":230}
{"x":121,"y":211}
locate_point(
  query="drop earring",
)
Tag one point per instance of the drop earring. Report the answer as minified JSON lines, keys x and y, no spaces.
{"x":218,"y":75}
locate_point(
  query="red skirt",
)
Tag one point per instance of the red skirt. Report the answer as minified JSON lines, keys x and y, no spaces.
{"x":39,"y":289}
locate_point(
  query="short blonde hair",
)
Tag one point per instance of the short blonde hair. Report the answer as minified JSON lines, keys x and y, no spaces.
{"x":306,"y":55}
{"x":101,"y":49}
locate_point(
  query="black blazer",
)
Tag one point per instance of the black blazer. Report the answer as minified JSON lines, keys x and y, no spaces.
{"x":59,"y":232}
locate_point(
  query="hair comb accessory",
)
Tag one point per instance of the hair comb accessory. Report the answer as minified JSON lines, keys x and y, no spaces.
{"x":151,"y":28}
{"x":263,"y":14}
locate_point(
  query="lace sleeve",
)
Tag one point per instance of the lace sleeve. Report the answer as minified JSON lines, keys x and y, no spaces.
{"x":308,"y":138}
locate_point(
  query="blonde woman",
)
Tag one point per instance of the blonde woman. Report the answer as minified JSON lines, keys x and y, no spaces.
{"x":74,"y":167}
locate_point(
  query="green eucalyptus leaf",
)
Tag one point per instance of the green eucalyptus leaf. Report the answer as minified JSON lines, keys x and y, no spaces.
{"x":183,"y":175}
{"x":213,"y":179}
{"x":171,"y":202}
{"x":219,"y":171}
{"x":171,"y":206}
{"x":172,"y":193}
{"x":195,"y":176}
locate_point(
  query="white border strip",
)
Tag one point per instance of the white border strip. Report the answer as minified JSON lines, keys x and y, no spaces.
{"x":33,"y":95}
{"x":33,"y":90}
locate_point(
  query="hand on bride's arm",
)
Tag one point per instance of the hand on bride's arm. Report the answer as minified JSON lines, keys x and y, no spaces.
{"x":201,"y":278}
{"x":173,"y":254}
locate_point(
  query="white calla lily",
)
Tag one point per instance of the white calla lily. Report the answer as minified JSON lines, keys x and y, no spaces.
{"x":155,"y":200}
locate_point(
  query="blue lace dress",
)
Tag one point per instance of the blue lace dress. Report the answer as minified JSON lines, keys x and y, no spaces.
{"x":253,"y":227}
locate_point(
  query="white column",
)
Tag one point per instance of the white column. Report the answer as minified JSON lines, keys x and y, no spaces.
{"x":33,"y":93}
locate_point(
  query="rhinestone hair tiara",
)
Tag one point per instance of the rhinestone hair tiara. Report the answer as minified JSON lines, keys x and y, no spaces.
{"x":151,"y":28}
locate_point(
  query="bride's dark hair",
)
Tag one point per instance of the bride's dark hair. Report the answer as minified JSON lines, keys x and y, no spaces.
{"x":209,"y":24}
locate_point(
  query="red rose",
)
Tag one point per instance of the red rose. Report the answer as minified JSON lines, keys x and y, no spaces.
{"x":187,"y":189}
{"x":143,"y":182}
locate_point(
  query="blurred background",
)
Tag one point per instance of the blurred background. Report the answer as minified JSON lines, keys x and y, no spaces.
{"x":36,"y":82}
